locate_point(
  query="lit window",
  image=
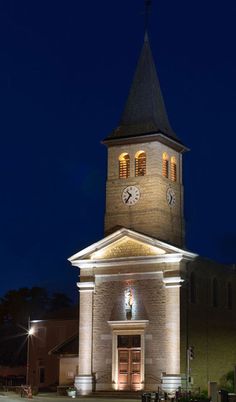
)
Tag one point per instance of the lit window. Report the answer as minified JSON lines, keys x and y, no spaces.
{"x":173,"y":170}
{"x":140,"y":163}
{"x":215,"y":293}
{"x":229,"y":296}
{"x":192,"y":288}
{"x":124,"y":165}
{"x":165,"y":165}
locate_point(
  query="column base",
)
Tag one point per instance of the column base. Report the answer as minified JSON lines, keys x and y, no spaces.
{"x":84,"y":384}
{"x":171,"y":382}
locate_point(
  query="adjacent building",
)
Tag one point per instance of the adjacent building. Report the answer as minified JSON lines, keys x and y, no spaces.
{"x":53,"y":351}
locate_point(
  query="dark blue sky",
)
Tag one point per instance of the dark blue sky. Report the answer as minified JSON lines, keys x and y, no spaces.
{"x":65,"y":71}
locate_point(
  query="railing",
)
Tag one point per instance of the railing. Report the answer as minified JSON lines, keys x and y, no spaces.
{"x":156,"y":379}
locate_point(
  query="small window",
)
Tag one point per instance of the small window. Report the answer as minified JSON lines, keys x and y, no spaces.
{"x":229,"y":296}
{"x":124,"y":166}
{"x":173,"y":169}
{"x":192,"y":288}
{"x":41,"y":375}
{"x":140,"y":163}
{"x":129,"y":341}
{"x":215,"y":293}
{"x":165,"y":165}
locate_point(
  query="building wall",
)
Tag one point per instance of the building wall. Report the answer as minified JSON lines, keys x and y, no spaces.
{"x":151,"y":214}
{"x":47,"y":334}
{"x":68,"y":370}
{"x":173,"y":317}
{"x":210,"y":330}
{"x":151,"y":301}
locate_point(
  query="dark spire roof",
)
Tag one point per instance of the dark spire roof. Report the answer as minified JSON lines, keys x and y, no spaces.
{"x":145,"y":111}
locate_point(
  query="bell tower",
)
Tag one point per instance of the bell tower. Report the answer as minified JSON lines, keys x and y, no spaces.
{"x":144,"y":189}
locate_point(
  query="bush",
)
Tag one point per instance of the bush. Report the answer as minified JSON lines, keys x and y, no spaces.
{"x":227,"y":381}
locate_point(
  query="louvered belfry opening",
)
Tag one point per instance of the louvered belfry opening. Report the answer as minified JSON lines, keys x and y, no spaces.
{"x":124,"y":166}
{"x":173,"y":169}
{"x":165,"y":165}
{"x":140,"y":163}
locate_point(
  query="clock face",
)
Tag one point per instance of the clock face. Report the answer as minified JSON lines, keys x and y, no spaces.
{"x":130,"y":195}
{"x":170,"y":197}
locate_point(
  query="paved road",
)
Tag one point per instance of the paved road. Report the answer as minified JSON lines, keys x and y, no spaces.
{"x":11,"y":397}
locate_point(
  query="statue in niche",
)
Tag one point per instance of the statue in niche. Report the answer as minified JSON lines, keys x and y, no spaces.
{"x":128,"y":303}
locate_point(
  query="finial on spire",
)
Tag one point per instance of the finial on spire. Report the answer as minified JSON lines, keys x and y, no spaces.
{"x":146,"y":37}
{"x":147,"y":11}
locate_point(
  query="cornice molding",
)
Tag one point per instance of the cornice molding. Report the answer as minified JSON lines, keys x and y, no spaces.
{"x":128,"y":324}
{"x":86,"y":286}
{"x":128,"y":275}
{"x":127,"y":261}
{"x":173,"y":282}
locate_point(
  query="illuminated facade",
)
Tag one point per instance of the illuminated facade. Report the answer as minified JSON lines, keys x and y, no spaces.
{"x":143,"y":296}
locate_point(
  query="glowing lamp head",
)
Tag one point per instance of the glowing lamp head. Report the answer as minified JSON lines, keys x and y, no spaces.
{"x":31,"y":331}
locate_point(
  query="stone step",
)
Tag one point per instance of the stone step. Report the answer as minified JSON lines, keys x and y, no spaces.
{"x":118,"y":394}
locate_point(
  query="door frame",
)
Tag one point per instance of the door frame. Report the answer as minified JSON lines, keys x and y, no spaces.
{"x":129,"y":327}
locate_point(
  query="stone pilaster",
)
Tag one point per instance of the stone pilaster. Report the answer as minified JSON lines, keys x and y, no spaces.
{"x":172,"y":285}
{"x":84,"y":382}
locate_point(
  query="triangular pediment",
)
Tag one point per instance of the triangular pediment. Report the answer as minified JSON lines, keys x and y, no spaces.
{"x":127,"y":247}
{"x":126,"y":243}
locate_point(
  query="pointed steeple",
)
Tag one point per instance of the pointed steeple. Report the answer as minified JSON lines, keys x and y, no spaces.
{"x":145,"y":111}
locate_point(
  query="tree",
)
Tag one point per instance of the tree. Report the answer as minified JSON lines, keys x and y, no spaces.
{"x":59,"y":301}
{"x":227,"y":381}
{"x":18,"y":305}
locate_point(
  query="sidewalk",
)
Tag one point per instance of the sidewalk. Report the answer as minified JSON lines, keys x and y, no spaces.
{"x":12,"y":397}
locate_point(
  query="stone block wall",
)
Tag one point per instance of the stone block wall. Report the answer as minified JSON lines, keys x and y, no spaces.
{"x":149,"y":303}
{"x":211,"y":330}
{"x":151,"y":215}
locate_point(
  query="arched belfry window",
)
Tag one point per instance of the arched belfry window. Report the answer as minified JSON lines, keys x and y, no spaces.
{"x":165,"y":165}
{"x":192,"y":287}
{"x":215,"y":293}
{"x":124,"y":165}
{"x":140,"y":163}
{"x":173,"y":168}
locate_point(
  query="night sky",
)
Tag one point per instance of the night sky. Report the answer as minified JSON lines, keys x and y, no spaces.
{"x":65,"y":72}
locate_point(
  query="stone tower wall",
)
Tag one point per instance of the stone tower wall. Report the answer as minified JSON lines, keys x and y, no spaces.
{"x":151,"y":215}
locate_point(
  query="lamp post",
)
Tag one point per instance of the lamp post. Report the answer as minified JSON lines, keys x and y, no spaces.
{"x":30,"y":332}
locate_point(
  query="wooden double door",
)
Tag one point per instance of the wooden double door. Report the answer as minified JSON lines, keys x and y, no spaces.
{"x":129,"y":363}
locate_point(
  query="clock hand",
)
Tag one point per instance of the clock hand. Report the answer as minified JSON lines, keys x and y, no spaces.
{"x":128,"y":198}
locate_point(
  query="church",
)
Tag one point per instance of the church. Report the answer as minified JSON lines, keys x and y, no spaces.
{"x":152,"y":314}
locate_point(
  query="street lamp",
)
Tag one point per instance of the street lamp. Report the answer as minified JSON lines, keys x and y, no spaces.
{"x":30,"y":332}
